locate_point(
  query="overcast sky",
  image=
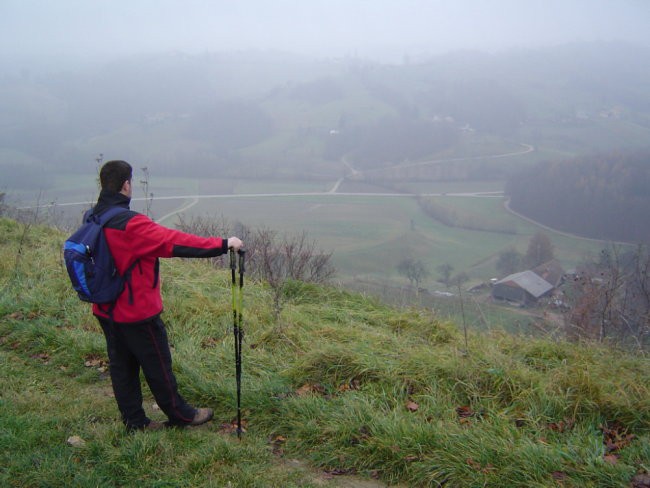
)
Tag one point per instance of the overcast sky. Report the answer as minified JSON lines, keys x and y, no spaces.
{"x":99,"y":29}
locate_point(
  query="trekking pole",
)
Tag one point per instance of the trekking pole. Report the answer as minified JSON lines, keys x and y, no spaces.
{"x":237,"y":324}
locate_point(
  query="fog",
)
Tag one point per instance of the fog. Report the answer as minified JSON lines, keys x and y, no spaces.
{"x":318,"y":90}
{"x":70,"y":31}
{"x":546,"y":102}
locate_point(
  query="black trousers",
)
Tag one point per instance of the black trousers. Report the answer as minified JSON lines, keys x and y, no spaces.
{"x":144,"y":345}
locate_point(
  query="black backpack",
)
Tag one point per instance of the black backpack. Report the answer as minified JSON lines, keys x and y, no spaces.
{"x":89,"y":261}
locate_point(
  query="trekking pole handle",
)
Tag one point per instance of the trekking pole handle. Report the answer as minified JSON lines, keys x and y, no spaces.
{"x":242,"y":257}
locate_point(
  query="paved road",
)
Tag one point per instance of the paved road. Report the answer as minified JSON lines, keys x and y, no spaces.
{"x":332,"y":192}
{"x":527,"y":149}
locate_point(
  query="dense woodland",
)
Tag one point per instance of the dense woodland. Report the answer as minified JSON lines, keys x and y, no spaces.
{"x":604,"y":196}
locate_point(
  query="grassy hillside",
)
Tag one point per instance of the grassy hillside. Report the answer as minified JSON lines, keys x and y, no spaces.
{"x":339,"y":385}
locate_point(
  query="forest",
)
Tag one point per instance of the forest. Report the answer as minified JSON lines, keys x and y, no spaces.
{"x":602,"y":196}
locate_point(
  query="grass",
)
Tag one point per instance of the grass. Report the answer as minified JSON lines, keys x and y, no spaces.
{"x":342,"y":383}
{"x":365,"y":232}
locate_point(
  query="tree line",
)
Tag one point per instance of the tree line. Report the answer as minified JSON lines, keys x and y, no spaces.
{"x":603,"y":196}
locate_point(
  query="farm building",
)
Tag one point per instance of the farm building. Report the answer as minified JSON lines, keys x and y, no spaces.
{"x":550,"y":271}
{"x":525,"y":287}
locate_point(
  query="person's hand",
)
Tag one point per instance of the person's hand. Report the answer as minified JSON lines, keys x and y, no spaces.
{"x":235,"y":243}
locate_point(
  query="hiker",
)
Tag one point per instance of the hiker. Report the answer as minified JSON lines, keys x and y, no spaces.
{"x":135,"y":333}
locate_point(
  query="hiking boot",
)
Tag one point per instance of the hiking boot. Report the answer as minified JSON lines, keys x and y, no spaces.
{"x":202,"y":416}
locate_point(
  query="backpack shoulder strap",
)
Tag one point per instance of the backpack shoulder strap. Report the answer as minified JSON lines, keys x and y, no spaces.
{"x":108,"y":214}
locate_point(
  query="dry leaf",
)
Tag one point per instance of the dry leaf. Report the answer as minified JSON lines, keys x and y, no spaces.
{"x":43,"y":356}
{"x":616,"y":437}
{"x":611,"y":458}
{"x":209,"y":342}
{"x":76,"y":441}
{"x":559,"y":475}
{"x":411,"y":406}
{"x":464,"y":412}
{"x":304,"y":390}
{"x":641,"y":481}
{"x":308,"y":389}
{"x":95,"y":361}
{"x":277,"y":443}
{"x":339,"y":472}
{"x":475,"y":465}
{"x":231,"y":428}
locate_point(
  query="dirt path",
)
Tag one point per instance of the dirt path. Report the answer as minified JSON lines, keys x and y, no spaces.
{"x":322,"y":478}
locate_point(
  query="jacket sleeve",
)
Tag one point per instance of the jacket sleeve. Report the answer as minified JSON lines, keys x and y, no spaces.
{"x":146,"y":238}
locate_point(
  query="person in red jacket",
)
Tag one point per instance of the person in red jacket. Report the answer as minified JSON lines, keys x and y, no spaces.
{"x":135,"y":334}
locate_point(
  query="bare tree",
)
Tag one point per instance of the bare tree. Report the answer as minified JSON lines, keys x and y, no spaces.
{"x":610,"y":297}
{"x":540,"y":250}
{"x":509,"y":261}
{"x":148,"y":197}
{"x":414,"y":270}
{"x":445,"y":273}
{"x":98,"y":160}
{"x":218,"y":226}
{"x":458,"y":281}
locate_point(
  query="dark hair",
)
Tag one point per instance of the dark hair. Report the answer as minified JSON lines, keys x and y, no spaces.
{"x":113,"y":175}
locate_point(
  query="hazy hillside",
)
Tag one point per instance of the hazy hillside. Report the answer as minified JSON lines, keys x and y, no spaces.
{"x":246,"y":112}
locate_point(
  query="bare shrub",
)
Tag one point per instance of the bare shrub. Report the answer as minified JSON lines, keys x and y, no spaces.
{"x":220,"y":226}
{"x":610,"y":298}
{"x":278,"y":260}
{"x":271,"y":258}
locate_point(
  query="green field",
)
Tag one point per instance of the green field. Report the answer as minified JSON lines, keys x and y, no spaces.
{"x":368,"y":234}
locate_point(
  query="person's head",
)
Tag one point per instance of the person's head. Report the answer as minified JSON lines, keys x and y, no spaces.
{"x":116,"y":176}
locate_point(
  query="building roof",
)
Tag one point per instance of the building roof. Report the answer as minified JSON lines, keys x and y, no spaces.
{"x":551,"y":271}
{"x":529,"y":281}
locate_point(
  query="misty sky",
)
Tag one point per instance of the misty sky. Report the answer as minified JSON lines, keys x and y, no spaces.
{"x":97,"y":29}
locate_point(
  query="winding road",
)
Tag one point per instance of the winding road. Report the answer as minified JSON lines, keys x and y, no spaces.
{"x":334,"y":191}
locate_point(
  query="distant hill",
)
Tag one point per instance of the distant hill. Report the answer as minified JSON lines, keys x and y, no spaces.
{"x":271,"y":113}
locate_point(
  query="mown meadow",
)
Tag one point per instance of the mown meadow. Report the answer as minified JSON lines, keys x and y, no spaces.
{"x":340,"y":389}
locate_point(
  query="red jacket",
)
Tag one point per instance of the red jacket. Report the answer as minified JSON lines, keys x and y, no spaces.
{"x":135,"y":238}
